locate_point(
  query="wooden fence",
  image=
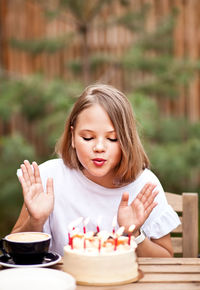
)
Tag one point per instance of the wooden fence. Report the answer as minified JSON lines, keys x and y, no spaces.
{"x":24,"y":19}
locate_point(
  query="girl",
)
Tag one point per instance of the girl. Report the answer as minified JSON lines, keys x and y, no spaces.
{"x":102,"y":171}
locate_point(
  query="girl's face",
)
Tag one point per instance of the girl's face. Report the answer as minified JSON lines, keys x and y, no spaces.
{"x":96,"y":144}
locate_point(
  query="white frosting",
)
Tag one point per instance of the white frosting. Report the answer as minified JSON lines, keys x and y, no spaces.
{"x":110,"y":264}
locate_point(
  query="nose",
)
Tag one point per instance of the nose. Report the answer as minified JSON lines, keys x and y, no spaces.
{"x":99,"y":146}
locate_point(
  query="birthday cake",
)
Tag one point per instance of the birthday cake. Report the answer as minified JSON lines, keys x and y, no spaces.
{"x":101,"y":259}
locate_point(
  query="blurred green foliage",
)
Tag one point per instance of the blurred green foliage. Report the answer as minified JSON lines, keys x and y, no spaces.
{"x":172,"y":145}
{"x":42,"y":103}
{"x":13,"y":150}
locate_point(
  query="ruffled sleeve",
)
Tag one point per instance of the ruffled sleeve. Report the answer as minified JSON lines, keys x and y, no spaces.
{"x":163,"y":224}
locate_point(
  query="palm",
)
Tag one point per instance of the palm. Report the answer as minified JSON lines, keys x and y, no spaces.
{"x":138,"y":211}
{"x":38,"y":203}
{"x":131,"y":214}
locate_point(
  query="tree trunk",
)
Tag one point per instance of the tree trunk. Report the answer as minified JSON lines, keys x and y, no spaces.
{"x":86,"y":66}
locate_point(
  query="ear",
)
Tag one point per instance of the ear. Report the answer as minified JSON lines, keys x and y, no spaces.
{"x":72,"y":132}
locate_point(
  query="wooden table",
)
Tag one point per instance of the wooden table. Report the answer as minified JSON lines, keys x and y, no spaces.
{"x":159,"y":274}
{"x":162,"y":274}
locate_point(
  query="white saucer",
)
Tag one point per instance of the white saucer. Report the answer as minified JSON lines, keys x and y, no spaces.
{"x":50,"y":259}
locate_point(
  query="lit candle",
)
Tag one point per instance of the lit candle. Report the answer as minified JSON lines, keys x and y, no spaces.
{"x":72,"y":227}
{"x":116,"y":241}
{"x":69,"y":239}
{"x":114,"y":223}
{"x":99,"y":248}
{"x":72,"y":245}
{"x":73,"y":233}
{"x":87,"y":236}
{"x":119,"y":232}
{"x":85,"y":222}
{"x":102,"y":237}
{"x":98,"y":223}
{"x":130,"y":230}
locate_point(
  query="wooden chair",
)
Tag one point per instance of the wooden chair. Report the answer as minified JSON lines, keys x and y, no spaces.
{"x":185,"y":236}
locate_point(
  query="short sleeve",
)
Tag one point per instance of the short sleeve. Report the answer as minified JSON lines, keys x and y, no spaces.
{"x":163,"y":219}
{"x":163,"y":224}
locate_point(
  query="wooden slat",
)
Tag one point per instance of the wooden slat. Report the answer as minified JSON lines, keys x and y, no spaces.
{"x":179,"y":229}
{"x":190,"y":225}
{"x":177,"y":244}
{"x":169,"y":261}
{"x":145,"y":286}
{"x":175,"y":200}
{"x":164,"y":277}
{"x":170,"y":268}
{"x":187,"y":203}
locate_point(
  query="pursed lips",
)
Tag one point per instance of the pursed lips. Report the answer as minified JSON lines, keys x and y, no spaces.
{"x":99,"y":161}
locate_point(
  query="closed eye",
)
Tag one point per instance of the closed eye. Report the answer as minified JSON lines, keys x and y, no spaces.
{"x":87,"y":139}
{"x":113,"y":139}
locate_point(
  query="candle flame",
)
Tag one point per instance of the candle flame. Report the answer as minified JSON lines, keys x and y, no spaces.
{"x":75,"y":223}
{"x":120,"y":231}
{"x":86,"y":221}
{"x":114,"y":222}
{"x":131,"y":228}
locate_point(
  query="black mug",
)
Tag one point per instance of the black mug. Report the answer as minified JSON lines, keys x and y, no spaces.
{"x":25,"y":247}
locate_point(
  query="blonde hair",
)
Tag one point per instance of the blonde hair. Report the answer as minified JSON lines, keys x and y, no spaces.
{"x":117,"y":106}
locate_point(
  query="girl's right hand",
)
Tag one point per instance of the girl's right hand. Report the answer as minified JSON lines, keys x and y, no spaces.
{"x":38,"y":203}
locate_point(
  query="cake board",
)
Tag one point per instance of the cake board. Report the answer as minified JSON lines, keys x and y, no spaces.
{"x":133,"y":280}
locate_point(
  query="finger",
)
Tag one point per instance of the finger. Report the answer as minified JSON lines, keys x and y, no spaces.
{"x":150,"y":208}
{"x":30,"y":171}
{"x":36,"y":173}
{"x":124,"y":199}
{"x":143,"y":190}
{"x":147,"y":192}
{"x":24,"y":185}
{"x":151,"y":198}
{"x":25,"y":175}
{"x":49,"y":186}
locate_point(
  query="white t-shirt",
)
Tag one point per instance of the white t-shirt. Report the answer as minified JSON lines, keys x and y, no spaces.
{"x":77,"y":196}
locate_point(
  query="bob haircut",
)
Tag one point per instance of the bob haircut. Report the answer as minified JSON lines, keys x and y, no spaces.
{"x":118,"y":108}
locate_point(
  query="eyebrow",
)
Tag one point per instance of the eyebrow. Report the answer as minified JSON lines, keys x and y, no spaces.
{"x":91,"y":131}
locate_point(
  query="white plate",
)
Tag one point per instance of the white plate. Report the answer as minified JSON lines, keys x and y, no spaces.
{"x":36,"y":279}
{"x":50,"y":259}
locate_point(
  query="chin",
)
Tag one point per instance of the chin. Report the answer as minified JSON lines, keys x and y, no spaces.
{"x":94,"y":174}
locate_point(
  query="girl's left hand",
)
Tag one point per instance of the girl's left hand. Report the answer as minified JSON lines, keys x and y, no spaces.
{"x":138,"y":211}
